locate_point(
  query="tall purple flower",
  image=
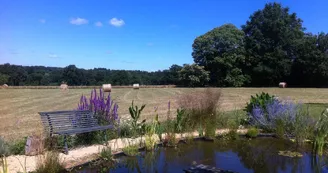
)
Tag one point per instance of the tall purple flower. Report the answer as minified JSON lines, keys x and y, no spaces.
{"x":104,"y":108}
{"x":277,"y":110}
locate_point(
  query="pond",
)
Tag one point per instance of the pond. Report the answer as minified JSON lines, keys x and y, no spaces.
{"x":244,"y":155}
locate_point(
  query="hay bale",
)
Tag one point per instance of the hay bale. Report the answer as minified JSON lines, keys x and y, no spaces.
{"x":282,"y":85}
{"x":63,"y":86}
{"x":107,"y":87}
{"x":136,"y":86}
{"x":5,"y":86}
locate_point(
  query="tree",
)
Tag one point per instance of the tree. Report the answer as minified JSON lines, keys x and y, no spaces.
{"x":72,"y":75}
{"x":271,"y":35}
{"x":3,"y":79}
{"x":221,"y":51}
{"x":193,"y":75}
{"x":310,"y":68}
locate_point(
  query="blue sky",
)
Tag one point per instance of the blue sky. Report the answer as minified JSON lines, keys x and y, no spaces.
{"x":124,"y":34}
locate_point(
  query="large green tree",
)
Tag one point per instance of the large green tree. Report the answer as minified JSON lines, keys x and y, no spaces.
{"x":221,"y":51}
{"x":271,"y":36}
{"x":193,"y":75}
{"x":3,"y":79}
{"x":310,"y":68}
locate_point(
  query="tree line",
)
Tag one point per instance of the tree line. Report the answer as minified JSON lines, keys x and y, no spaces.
{"x":271,"y":47}
{"x":39,"y":75}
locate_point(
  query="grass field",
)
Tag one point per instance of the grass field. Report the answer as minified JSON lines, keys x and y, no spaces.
{"x":19,"y":107}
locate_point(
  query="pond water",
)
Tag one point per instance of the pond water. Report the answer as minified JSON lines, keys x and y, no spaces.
{"x":256,"y":155}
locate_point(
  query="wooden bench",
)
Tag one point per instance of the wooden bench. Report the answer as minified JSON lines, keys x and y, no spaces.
{"x":70,"y":122}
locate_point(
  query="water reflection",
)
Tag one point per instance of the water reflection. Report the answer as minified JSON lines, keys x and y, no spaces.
{"x":258,"y":155}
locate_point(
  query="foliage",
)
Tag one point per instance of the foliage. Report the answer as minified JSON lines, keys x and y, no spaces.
{"x":49,"y":163}
{"x":106,"y":111}
{"x":131,"y":150}
{"x":276,"y":110}
{"x":321,"y":133}
{"x":179,"y":121}
{"x":200,"y":107}
{"x":209,"y":129}
{"x":18,"y":147}
{"x":193,"y":75}
{"x":259,"y":100}
{"x":290,"y":154}
{"x":135,"y":113}
{"x":106,"y":153}
{"x":3,"y":79}
{"x":4,"y":149}
{"x":270,"y":42}
{"x":221,"y":51}
{"x":150,"y":141}
{"x":252,"y":132}
{"x":104,"y":108}
{"x":231,"y":135}
{"x":4,"y":164}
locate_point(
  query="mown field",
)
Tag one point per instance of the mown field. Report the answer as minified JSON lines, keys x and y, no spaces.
{"x":19,"y":107}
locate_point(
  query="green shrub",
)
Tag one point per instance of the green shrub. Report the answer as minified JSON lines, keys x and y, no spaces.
{"x":280,"y":128}
{"x":49,"y":163}
{"x":126,"y":130}
{"x":4,"y":150}
{"x":252,"y":132}
{"x":18,"y":147}
{"x":321,"y":133}
{"x":131,"y":150}
{"x":259,"y":100}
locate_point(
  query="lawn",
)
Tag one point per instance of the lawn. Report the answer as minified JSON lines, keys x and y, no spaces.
{"x":19,"y":107}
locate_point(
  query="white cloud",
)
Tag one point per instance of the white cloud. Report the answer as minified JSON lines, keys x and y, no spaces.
{"x":116,"y":22}
{"x":99,"y":24}
{"x":78,"y":21}
{"x":42,"y":20}
{"x":51,"y":55}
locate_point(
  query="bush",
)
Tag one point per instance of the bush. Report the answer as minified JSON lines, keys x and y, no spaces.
{"x":18,"y":147}
{"x":4,"y":150}
{"x":260,"y":101}
{"x":49,"y":163}
{"x":210,"y":128}
{"x":252,"y":132}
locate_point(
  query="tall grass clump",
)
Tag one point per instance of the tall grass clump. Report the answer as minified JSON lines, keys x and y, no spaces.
{"x":137,"y":126}
{"x":49,"y":163}
{"x":321,"y":133}
{"x":201,"y":108}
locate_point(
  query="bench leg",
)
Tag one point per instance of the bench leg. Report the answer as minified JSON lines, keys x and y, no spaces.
{"x":65,"y":144}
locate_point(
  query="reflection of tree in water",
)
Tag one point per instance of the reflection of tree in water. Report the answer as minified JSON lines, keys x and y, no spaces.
{"x":261,"y":155}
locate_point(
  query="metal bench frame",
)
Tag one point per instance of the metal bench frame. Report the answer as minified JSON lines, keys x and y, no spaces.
{"x":70,"y":122}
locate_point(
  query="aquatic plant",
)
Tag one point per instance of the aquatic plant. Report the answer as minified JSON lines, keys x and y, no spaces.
{"x":290,"y":153}
{"x":49,"y":163}
{"x":253,"y":132}
{"x":106,"y":153}
{"x":131,"y":150}
{"x":150,"y":141}
{"x":135,"y":113}
{"x":321,"y":133}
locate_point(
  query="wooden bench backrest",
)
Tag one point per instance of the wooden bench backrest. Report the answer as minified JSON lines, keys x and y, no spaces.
{"x":59,"y":121}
